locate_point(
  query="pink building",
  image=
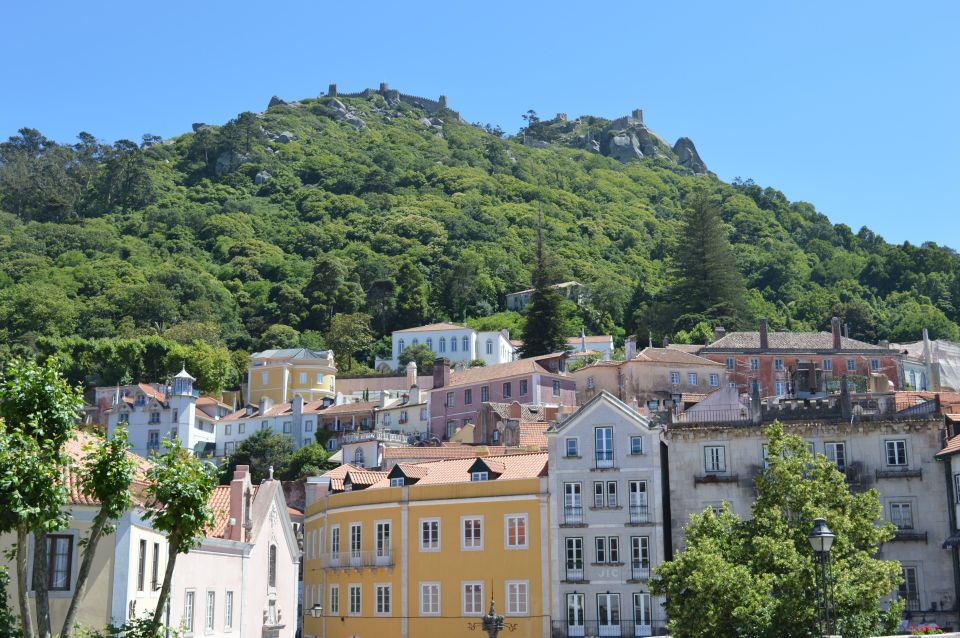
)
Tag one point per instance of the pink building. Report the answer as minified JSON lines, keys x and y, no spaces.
{"x":458,"y":396}
{"x":243,"y":579}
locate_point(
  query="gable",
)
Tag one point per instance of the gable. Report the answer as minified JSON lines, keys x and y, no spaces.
{"x":603,"y":409}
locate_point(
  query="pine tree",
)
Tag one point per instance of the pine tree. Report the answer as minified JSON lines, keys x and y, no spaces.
{"x":411,"y":308}
{"x":707,"y":285}
{"x":543,"y":332}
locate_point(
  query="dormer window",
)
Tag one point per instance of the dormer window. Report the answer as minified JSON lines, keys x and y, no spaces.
{"x":479,"y":476}
{"x":140,"y":400}
{"x":396,"y":482}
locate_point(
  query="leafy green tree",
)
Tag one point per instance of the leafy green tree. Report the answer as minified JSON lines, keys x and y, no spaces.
{"x":420,"y":354}
{"x":310,"y":460}
{"x":180,"y":484}
{"x":108,"y":471}
{"x":700,"y":334}
{"x":332,"y":289}
{"x":350,"y":335}
{"x":279,"y":336}
{"x":9,"y":627}
{"x":757,"y":577}
{"x":707,"y":282}
{"x":412,"y":307}
{"x":38,"y":414}
{"x":240,"y":133}
{"x":212,"y":366}
{"x":543,"y":331}
{"x":261,"y":450}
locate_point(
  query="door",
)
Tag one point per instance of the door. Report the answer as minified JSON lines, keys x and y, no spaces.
{"x":604,"y":446}
{"x":574,"y":559}
{"x":572,"y":503}
{"x":608,"y":614}
{"x":639,"y":557}
{"x":575,"y":626}
{"x":641,"y":615}
{"x":383,"y":543}
{"x":638,"y":502}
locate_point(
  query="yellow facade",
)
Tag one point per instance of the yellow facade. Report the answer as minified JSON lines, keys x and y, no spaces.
{"x":459,"y":578}
{"x":279,"y":378}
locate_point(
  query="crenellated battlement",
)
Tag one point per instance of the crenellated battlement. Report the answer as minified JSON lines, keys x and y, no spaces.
{"x":427,"y":104}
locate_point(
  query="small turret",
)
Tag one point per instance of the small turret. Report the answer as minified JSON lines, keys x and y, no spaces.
{"x":183,"y":384}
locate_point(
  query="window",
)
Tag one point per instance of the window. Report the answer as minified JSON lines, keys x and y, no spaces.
{"x":674,"y":378}
{"x":836,"y":451}
{"x":781,"y":388}
{"x":556,"y":388}
{"x":383,"y":599}
{"x":430,"y":535}
{"x":451,"y":428}
{"x":479,"y":476}
{"x":896,"y":452}
{"x":573,"y":447}
{"x":272,"y":566}
{"x":909,"y":589}
{"x":142,"y":564}
{"x":524,"y":387}
{"x":241,"y":428}
{"x":575,"y":609}
{"x":641,"y":614}
{"x":472,"y":599}
{"x":264,"y":378}
{"x":308,"y":426}
{"x":228,"y":611}
{"x":353,"y":593}
{"x":472,"y":538}
{"x":319,"y":378}
{"x":467,"y":396}
{"x":778,"y":364}
{"x":399,"y":346}
{"x":59,"y":562}
{"x":901,"y":515}
{"x":956,"y":487}
{"x":466,"y":344}
{"x":211,"y":609}
{"x":443,"y":344}
{"x":303,"y":378}
{"x":227,"y":429}
{"x":123,"y":418}
{"x":572,"y":502}
{"x":599,"y":494}
{"x":387,"y":419}
{"x":287,"y":426}
{"x":188,"y":600}
{"x":608,"y":614}
{"x":714,"y":459}
{"x":754,"y":363}
{"x":604,"y":446}
{"x":518,"y":598}
{"x":453,"y":344}
{"x":875,"y":364}
{"x":692,"y":378}
{"x":851,"y":365}
{"x":485,"y":393}
{"x":155,"y":572}
{"x":383,"y":544}
{"x":335,"y":541}
{"x":611,"y":494}
{"x":334,"y":600}
{"x":228,"y":448}
{"x":264,"y":425}
{"x":636,"y":445}
{"x":140,"y":400}
{"x":828,"y":364}
{"x":489,"y":346}
{"x":430,"y":344}
{"x":639,"y":555}
{"x":730,"y":363}
{"x":358,"y":457}
{"x":449,"y":399}
{"x":507,"y":390}
{"x":396,"y":482}
{"x":154,"y":417}
{"x":355,"y":540}
{"x":516,"y":531}
{"x":714,"y":380}
{"x":430,"y":592}
{"x":607,"y":549}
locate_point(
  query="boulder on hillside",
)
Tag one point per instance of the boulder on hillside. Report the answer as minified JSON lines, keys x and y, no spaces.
{"x":261,"y":177}
{"x":625,"y":146}
{"x":285,"y":137}
{"x":343,"y":114}
{"x":229,"y":160}
{"x":688,"y":157}
{"x":275,"y":101}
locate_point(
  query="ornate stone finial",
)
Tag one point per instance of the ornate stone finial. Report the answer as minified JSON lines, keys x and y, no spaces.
{"x":271,"y":473}
{"x":492,"y":623}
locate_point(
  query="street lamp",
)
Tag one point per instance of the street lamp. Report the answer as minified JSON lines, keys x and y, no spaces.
{"x":316,"y":611}
{"x":821,"y":540}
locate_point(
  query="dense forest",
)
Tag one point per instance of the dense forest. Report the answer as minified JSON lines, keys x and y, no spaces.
{"x":331,"y":222}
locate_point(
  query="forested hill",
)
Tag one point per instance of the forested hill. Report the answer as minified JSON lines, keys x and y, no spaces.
{"x":264,"y":230}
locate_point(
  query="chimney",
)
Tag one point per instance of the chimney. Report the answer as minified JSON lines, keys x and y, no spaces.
{"x":719,"y":333}
{"x":265,"y":404}
{"x":846,"y":330}
{"x":441,"y":372}
{"x":415,"y":395}
{"x":630,"y":347}
{"x":835,"y":330}
{"x":764,"y":336}
{"x":411,"y":374}
{"x":384,"y":399}
{"x":516,"y":410}
{"x":315,"y":489}
{"x":666,"y":341}
{"x":296,"y":406}
{"x":239,"y":487}
{"x":884,"y":344}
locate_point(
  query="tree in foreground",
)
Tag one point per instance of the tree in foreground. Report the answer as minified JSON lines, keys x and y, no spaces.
{"x":9,"y":627}
{"x":756,"y":578}
{"x":543,"y":332}
{"x":179,"y":487}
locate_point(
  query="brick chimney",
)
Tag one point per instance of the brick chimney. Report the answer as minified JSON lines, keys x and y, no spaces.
{"x":239,"y":505}
{"x":764,"y":336}
{"x":719,"y":333}
{"x":835,"y":329}
{"x":441,"y":372}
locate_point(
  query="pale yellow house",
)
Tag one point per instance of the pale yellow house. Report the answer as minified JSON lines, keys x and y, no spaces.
{"x":279,"y":375}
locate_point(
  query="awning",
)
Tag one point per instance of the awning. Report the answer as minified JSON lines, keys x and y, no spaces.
{"x":952,"y":541}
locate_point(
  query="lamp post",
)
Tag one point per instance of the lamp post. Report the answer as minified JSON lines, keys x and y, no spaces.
{"x":821,"y":540}
{"x":316,"y":611}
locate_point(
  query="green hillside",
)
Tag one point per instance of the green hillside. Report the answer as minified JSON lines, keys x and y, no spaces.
{"x":276,"y":228}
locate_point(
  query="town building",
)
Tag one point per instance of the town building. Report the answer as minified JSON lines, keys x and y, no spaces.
{"x":400,"y":421}
{"x":803,"y":364}
{"x":457,"y":397}
{"x":152,"y":413}
{"x":571,"y":290}
{"x":584,"y":346}
{"x":456,"y":343}
{"x":297,"y":419}
{"x":242,"y":579}
{"x":279,"y":375}
{"x":371,"y":387}
{"x":424,"y":549}
{"x":873,"y":440}
{"x":654,"y":379}
{"x":607,"y":521}
{"x":949,"y":457}
{"x":931,"y":364}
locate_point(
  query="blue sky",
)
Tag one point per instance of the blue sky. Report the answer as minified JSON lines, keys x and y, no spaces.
{"x":851,"y":105}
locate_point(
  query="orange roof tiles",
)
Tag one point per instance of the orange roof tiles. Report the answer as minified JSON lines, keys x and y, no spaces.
{"x":534,"y":434}
{"x":346,"y":408}
{"x":360,"y":476}
{"x":480,"y":374}
{"x":434,"y":326}
{"x":220,"y":504}
{"x":444,"y":452}
{"x":672,"y":355}
{"x":337,"y":474}
{"x":77,"y":450}
{"x":511,"y":466}
{"x":952,"y":447}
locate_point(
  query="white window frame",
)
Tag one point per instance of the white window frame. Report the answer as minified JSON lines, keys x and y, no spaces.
{"x":887,"y":449}
{"x":355,"y":552}
{"x":189,"y":610}
{"x":636,"y":450}
{"x":335,"y":542}
{"x":692,"y":378}
{"x":518,"y":598}
{"x":434,"y":589}
{"x":556,"y":387}
{"x":431,"y":546}
{"x":383,"y":599}
{"x":479,"y":476}
{"x":303,"y":378}
{"x":828,"y":365}
{"x":714,"y":380}
{"x":509,"y":520}
{"x":334,"y":600}
{"x":851,"y":365}
{"x":778,"y":364}
{"x":396,"y":481}
{"x":830,"y":449}
{"x":902,"y":512}
{"x":210,"y":611}
{"x":463,"y":534}
{"x":714,"y":463}
{"x":228,"y":610}
{"x":473,"y":586}
{"x":754,"y":363}
{"x":731,"y":363}
{"x":674,"y":377}
{"x":354,"y":587}
{"x":576,"y":445}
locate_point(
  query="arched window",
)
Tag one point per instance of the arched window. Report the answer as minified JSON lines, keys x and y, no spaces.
{"x":430,"y":344}
{"x":466,"y":344}
{"x":358,"y":457}
{"x":272,"y":567}
{"x":443,"y":344}
{"x":415,"y":341}
{"x":489,"y":346}
{"x":453,"y":344}
{"x":399,"y":346}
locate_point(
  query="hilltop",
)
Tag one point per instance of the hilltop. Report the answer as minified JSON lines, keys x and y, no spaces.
{"x":381,"y":202}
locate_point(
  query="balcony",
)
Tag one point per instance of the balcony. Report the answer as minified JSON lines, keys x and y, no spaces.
{"x":604,"y":460}
{"x":639,"y":515}
{"x":358,"y":560}
{"x":900,"y":473}
{"x":639,"y":570}
{"x":572,"y":516}
{"x":574,"y":572}
{"x":909,"y":535}
{"x":707,"y":479}
{"x":911,"y":602}
{"x":624,"y":629}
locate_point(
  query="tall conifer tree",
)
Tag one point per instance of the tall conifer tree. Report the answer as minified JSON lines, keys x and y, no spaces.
{"x":543,"y":331}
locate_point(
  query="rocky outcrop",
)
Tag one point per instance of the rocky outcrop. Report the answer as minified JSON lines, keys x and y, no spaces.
{"x":343,"y":114}
{"x":229,"y":160}
{"x":624,"y":147}
{"x":275,"y":101}
{"x":261,"y":177}
{"x":688,"y":157}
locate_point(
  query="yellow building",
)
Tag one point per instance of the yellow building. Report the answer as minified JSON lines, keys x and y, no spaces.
{"x":278,"y":375}
{"x":418,"y":552}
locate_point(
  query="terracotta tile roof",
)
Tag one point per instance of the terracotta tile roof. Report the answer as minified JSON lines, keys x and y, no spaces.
{"x":692,"y":348}
{"x":413,"y":470}
{"x":534,"y":435}
{"x":337,"y":474}
{"x":152,"y":392}
{"x":77,"y":449}
{"x":347,"y":408}
{"x":819,"y":341}
{"x":693,"y":397}
{"x":443,"y":452}
{"x":511,"y":466}
{"x":360,"y":476}
{"x":672,"y":355}
{"x":434,"y":326}
{"x":220,"y":504}
{"x":379,"y":384}
{"x":575,"y":341}
{"x":480,"y":374}
{"x":953,"y":447}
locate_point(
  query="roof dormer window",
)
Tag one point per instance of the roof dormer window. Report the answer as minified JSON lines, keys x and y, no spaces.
{"x":479,"y":476}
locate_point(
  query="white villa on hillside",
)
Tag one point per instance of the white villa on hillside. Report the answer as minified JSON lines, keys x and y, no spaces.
{"x":456,"y":343}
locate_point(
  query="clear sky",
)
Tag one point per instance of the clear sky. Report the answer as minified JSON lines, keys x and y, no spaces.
{"x":851,"y":105}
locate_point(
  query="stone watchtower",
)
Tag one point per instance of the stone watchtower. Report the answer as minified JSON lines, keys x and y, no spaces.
{"x":332,"y":90}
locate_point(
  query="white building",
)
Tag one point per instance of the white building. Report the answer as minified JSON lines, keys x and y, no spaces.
{"x":571,"y":290}
{"x":459,"y":344}
{"x":298,"y":420}
{"x":176,"y":411}
{"x":606,"y":521}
